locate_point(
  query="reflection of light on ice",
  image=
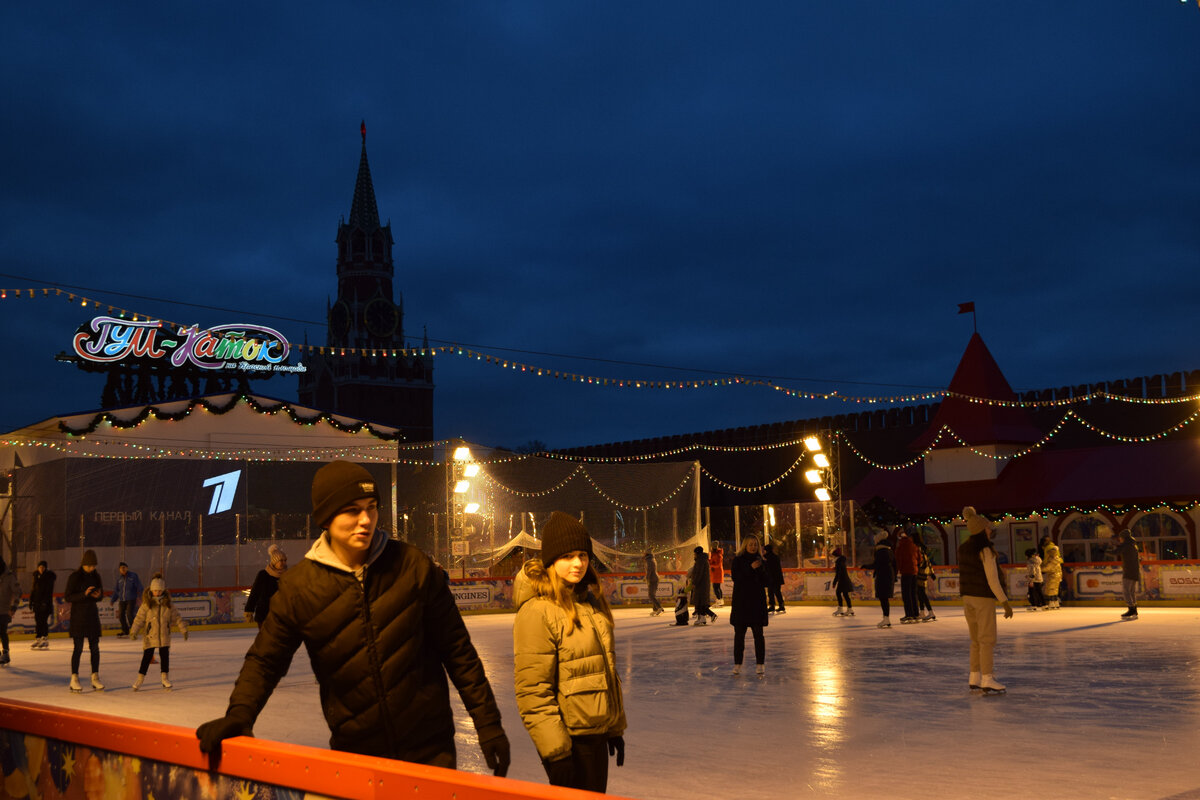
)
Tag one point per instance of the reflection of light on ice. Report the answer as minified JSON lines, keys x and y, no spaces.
{"x":826,"y":711}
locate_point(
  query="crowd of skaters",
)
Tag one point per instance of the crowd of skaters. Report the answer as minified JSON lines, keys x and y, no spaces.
{"x":564,"y":636}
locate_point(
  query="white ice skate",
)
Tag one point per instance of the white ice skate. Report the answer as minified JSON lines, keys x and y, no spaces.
{"x":166,"y":681}
{"x":928,"y":616}
{"x":137,"y":682}
{"x":839,"y":612}
{"x":990,"y":685}
{"x":74,"y":685}
{"x":96,"y":684}
{"x":849,"y":612}
{"x":884,"y":623}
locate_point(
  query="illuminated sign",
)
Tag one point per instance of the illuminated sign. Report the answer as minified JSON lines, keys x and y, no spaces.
{"x":249,"y":348}
{"x":224,"y":488}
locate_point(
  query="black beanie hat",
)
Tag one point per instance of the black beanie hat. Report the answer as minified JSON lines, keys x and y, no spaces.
{"x":89,"y":559}
{"x":563,"y":534}
{"x":336,"y":485}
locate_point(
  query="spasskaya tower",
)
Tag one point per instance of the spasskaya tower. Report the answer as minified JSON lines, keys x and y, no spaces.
{"x":368,"y":382}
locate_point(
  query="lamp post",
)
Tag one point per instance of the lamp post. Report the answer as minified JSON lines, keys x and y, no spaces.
{"x":825,"y":475}
{"x":460,"y":469}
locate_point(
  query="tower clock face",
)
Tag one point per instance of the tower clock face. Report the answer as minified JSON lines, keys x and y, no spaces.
{"x":339,"y":318}
{"x":381,"y":317}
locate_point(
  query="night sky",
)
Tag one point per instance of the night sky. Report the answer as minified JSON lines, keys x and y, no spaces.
{"x":800,"y":191}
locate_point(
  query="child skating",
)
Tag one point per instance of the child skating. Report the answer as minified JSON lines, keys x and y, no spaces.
{"x":156,"y":615}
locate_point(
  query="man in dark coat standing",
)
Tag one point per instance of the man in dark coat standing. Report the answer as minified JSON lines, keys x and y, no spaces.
{"x":701,"y":578}
{"x":907,"y":559}
{"x":1131,"y":571}
{"x":84,"y":590}
{"x":774,"y":578}
{"x":382,"y":632}
{"x":41,"y":602}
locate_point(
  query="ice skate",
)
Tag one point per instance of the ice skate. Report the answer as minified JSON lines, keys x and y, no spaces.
{"x":990,"y":685}
{"x":849,"y":612}
{"x":1128,"y":615}
{"x":907,"y":620}
{"x":737,"y":669}
{"x":974,"y":680}
{"x":74,"y":685}
{"x":4,"y":659}
{"x":781,"y":610}
{"x":928,"y":616}
{"x":759,"y":670}
{"x":166,"y":681}
{"x":137,"y":682}
{"x":884,"y":623}
{"x":96,"y":684}
{"x":839,"y":612}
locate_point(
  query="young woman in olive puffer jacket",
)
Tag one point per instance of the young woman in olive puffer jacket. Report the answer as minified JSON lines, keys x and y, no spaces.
{"x":567,"y":687}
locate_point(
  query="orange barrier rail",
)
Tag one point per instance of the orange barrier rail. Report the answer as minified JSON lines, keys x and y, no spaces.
{"x":61,"y":753}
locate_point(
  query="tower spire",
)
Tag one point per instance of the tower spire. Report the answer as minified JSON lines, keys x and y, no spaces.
{"x":364,"y":213}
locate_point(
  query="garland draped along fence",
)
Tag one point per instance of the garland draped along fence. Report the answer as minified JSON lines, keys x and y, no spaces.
{"x":54,"y":754}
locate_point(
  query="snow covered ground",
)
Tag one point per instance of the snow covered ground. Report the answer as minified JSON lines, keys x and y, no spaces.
{"x":1096,"y":708}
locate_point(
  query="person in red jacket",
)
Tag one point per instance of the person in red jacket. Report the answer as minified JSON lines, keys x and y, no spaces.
{"x":716,"y":571}
{"x":907,"y":558}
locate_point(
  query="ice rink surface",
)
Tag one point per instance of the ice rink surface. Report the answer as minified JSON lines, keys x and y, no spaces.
{"x":1096,"y":707}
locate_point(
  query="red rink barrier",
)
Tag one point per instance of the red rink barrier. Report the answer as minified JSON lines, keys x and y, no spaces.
{"x":49,"y":753}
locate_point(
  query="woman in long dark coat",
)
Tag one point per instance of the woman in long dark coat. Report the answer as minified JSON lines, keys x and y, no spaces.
{"x":84,"y":590}
{"x":701,"y":584}
{"x":884,"y":567}
{"x":749,"y":602}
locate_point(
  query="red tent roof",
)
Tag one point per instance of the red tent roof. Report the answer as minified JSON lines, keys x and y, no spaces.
{"x":978,"y":375}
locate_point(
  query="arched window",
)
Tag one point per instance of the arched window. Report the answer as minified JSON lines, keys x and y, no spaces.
{"x":1162,"y":536}
{"x":1083,"y":539}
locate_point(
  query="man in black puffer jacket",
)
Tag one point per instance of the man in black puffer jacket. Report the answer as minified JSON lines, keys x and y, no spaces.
{"x":382,"y":631}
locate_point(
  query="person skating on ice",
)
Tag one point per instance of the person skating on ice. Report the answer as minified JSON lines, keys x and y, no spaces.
{"x":127,"y":592}
{"x":749,"y":603}
{"x":774,"y":578}
{"x":1052,"y":571}
{"x":842,"y":585}
{"x":41,"y":603}
{"x":10,"y":599}
{"x":1033,"y":576}
{"x":924,"y":576}
{"x":567,"y":685}
{"x":382,"y":633}
{"x":156,"y":615}
{"x":716,"y":572}
{"x":84,"y":590}
{"x":681,"y":606}
{"x":266,"y":583}
{"x":701,"y":581}
{"x":1131,"y":571}
{"x":652,"y":583}
{"x":906,"y":564}
{"x":883,"y":567}
{"x":979,"y":583}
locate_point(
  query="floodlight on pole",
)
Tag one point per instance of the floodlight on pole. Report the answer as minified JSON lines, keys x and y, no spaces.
{"x":821,"y":460}
{"x":461,"y":487}
{"x":471,"y":508}
{"x":812,"y":443}
{"x":823,"y":495}
{"x":462,"y":454}
{"x":812,"y":475}
{"x":470,"y":470}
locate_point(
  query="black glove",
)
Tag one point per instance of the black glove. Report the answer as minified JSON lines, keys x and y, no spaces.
{"x":215,"y":731}
{"x":616,"y":747}
{"x":496,"y":751}
{"x":561,"y":772}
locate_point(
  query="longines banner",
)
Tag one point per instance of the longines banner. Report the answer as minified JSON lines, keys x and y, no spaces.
{"x":243,"y":348}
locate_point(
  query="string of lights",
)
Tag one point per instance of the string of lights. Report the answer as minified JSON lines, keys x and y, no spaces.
{"x":504,"y":362}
